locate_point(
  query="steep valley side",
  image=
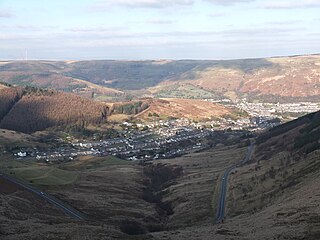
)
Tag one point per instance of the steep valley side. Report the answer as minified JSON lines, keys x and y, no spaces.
{"x":124,"y":200}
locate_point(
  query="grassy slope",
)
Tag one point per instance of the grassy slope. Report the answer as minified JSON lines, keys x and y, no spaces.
{"x":10,"y":139}
{"x":195,"y":194}
{"x":55,"y":174}
{"x":280,"y":172}
{"x":276,"y":196}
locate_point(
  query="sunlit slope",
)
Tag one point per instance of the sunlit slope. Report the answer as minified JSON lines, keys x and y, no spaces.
{"x":272,"y":79}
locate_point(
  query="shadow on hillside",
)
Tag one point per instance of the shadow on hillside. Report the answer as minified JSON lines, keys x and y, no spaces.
{"x":38,"y":113}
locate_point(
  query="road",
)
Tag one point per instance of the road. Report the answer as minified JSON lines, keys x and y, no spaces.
{"x":224,"y":184}
{"x":59,"y":204}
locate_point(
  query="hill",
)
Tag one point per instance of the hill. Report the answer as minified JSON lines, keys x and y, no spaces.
{"x":279,"y":186}
{"x":32,"y":109}
{"x":29,"y":109}
{"x":50,"y":75}
{"x":274,"y":196}
{"x":272,"y":79}
{"x":8,"y":97}
{"x":184,"y":108}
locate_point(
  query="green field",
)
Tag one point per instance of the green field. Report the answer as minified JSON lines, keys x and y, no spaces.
{"x":188,"y":91}
{"x":56,"y":174}
{"x":90,"y":163}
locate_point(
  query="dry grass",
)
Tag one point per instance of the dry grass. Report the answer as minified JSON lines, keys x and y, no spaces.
{"x":194,"y":195}
{"x":98,"y":88}
{"x":110,"y":193}
{"x":118,"y":118}
{"x":184,"y":108}
{"x":10,"y":139}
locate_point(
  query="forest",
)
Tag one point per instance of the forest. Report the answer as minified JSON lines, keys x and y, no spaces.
{"x":32,"y":109}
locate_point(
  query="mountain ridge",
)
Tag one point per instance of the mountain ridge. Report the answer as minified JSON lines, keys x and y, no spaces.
{"x":279,"y":78}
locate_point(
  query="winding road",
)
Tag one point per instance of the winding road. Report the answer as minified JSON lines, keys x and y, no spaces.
{"x":224,"y":184}
{"x":58,"y":203}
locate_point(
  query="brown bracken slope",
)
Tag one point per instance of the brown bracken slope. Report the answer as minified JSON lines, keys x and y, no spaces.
{"x":184,"y":108}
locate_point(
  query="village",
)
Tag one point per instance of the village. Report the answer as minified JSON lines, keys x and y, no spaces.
{"x":143,"y":141}
{"x":277,"y":110}
{"x":154,"y":140}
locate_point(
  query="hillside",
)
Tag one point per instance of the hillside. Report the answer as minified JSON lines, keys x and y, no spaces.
{"x":275,"y":196}
{"x":184,"y":108}
{"x":31,"y":109}
{"x":273,"y":79}
{"x":51,"y":76}
{"x":279,"y":186}
{"x":8,"y":98}
{"x":300,"y":136}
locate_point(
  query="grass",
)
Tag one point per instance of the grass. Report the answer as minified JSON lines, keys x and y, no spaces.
{"x":184,"y":91}
{"x":92,"y":163}
{"x":37,"y":173}
{"x":118,"y":118}
{"x":263,"y":188}
{"x":195,"y":194}
{"x":46,"y":175}
{"x":56,"y":174}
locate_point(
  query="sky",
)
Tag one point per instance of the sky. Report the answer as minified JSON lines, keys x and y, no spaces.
{"x":157,"y":29}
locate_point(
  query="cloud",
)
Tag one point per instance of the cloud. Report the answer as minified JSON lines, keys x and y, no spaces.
{"x":288,"y":22}
{"x":228,"y":2}
{"x":286,"y":4}
{"x":229,"y":43}
{"x":160,"y":22}
{"x":6,"y":13}
{"x":100,"y":29}
{"x":103,"y":5}
{"x":27,"y":27}
{"x":218,"y":14}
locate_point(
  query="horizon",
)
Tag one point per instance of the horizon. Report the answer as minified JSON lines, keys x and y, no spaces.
{"x":157,"y":29}
{"x":145,"y":60}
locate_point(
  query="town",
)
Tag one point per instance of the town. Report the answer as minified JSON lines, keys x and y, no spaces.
{"x":161,"y":139}
{"x":277,"y":110}
{"x":143,"y":141}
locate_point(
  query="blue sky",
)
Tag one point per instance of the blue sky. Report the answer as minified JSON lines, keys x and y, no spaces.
{"x":158,"y":29}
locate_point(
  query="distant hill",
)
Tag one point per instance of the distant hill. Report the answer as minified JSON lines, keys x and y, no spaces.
{"x":50,"y":75}
{"x":272,"y":79}
{"x":32,"y":109}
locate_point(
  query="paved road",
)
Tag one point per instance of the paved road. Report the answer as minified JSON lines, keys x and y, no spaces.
{"x":67,"y":209}
{"x":224,"y":184}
